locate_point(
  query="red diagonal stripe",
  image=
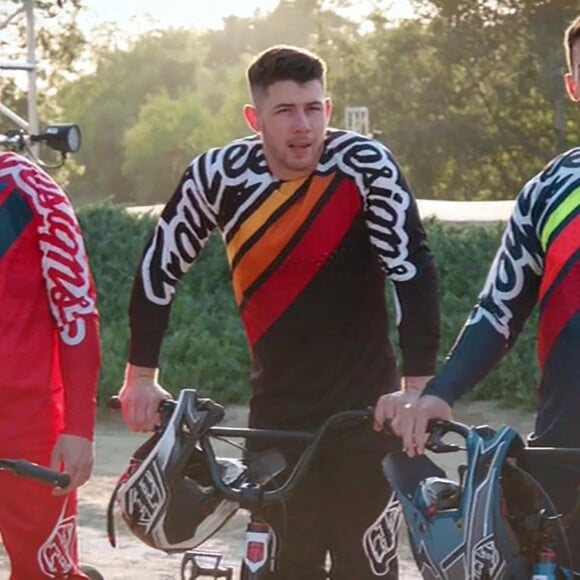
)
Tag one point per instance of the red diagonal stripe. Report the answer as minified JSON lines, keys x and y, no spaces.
{"x":563,"y":304}
{"x":560,"y":251}
{"x":303,"y":263}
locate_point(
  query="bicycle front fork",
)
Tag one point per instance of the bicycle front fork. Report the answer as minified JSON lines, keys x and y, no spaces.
{"x":259,"y":557}
{"x":259,"y":550}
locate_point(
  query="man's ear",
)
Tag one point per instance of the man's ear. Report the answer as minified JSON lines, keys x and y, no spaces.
{"x":572,"y":88}
{"x":328,"y":108}
{"x":251,"y":117}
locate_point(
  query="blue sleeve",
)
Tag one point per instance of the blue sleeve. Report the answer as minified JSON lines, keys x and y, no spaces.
{"x":508,"y":297}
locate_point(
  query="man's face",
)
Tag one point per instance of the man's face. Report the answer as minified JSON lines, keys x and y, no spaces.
{"x":291,"y":119}
{"x":573,"y":78}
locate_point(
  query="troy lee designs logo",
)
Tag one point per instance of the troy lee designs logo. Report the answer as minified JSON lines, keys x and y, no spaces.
{"x":55,"y":556}
{"x":380,"y":540}
{"x":146,"y":497}
{"x":64,"y":263}
{"x":485,"y":559}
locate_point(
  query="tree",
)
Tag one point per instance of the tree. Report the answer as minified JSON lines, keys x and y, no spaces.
{"x":59,"y":49}
{"x":107,"y":102}
{"x":59,"y":46}
{"x":168,"y":134}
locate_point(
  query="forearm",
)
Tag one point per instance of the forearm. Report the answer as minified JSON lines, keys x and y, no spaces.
{"x":79,"y":366}
{"x":148,"y":324}
{"x":415,"y":384}
{"x":136,"y":373}
{"x":477,"y":352}
{"x":419,"y":323}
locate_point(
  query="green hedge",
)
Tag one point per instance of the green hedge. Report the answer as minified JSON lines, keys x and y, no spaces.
{"x":205,"y":346}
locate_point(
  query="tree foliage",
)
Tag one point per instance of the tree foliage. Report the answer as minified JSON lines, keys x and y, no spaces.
{"x":58,"y":50}
{"x":468,"y":95}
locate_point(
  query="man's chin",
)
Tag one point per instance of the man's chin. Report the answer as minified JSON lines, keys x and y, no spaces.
{"x":302,"y":161}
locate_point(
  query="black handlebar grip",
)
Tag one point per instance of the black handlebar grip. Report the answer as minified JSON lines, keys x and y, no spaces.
{"x":39,"y":473}
{"x":115,"y":403}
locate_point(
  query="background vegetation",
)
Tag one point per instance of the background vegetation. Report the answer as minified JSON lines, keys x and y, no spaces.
{"x":468,"y":95}
{"x":206,"y":347}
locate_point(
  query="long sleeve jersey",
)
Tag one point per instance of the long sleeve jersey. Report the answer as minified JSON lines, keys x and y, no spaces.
{"x":538,"y":262}
{"x":49,"y":344}
{"x":308,"y":260}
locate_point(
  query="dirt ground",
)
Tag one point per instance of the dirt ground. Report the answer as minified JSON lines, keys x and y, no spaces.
{"x":132,"y":559}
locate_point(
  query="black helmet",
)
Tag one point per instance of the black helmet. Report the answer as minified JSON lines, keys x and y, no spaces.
{"x":166,"y":496}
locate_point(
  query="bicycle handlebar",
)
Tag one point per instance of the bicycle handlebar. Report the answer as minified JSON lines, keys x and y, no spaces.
{"x":439,"y":428}
{"x":37,"y":472}
{"x":249,"y":494}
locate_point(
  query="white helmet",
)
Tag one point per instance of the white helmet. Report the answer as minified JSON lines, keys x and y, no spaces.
{"x":166,"y":496}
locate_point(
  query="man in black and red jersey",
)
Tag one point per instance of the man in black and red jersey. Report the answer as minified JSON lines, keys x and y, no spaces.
{"x":49,"y":366}
{"x":538,"y":262}
{"x":314,"y":220}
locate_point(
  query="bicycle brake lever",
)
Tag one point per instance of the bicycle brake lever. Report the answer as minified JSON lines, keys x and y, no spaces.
{"x":435,"y":442}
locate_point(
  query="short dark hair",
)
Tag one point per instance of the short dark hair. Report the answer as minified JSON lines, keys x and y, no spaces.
{"x":571,"y":35}
{"x":284,"y":63}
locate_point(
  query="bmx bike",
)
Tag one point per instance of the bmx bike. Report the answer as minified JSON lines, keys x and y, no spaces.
{"x":253,"y":488}
{"x":495,"y":523}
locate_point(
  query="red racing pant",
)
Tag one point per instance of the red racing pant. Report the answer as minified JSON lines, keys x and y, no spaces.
{"x":39,"y":530}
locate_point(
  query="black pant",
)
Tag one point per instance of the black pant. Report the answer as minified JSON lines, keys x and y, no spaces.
{"x":344,"y":508}
{"x":562,"y":484}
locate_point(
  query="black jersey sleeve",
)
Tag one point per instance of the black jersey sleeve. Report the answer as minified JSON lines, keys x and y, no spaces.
{"x":182,"y":230}
{"x":398,"y":236}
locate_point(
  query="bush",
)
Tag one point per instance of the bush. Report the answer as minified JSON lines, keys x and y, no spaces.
{"x":464,"y":255}
{"x":205,"y":345}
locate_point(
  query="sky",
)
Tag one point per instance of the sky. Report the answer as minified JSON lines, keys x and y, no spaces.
{"x":199,"y":14}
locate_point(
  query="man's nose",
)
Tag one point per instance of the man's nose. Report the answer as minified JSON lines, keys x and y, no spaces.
{"x":301,"y":121}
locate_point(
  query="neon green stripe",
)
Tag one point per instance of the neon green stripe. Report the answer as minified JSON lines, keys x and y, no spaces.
{"x":570,"y":204}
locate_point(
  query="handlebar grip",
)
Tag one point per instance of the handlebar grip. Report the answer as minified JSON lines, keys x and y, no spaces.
{"x":115,"y":403}
{"x":39,"y":473}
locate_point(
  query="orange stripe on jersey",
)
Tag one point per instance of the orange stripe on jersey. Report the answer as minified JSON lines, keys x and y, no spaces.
{"x":265,"y":250}
{"x":566,"y":244}
{"x":261,"y":215}
{"x":299,"y":269}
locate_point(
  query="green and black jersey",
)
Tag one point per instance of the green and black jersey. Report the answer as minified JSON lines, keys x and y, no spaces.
{"x":308,"y":260}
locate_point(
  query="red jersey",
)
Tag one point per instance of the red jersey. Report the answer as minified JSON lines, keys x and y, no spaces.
{"x":49,"y":339}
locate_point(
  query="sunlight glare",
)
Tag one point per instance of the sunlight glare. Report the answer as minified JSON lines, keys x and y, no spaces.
{"x":138,"y":15}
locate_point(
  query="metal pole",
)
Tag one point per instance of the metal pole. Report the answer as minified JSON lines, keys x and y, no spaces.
{"x":33,"y":125}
